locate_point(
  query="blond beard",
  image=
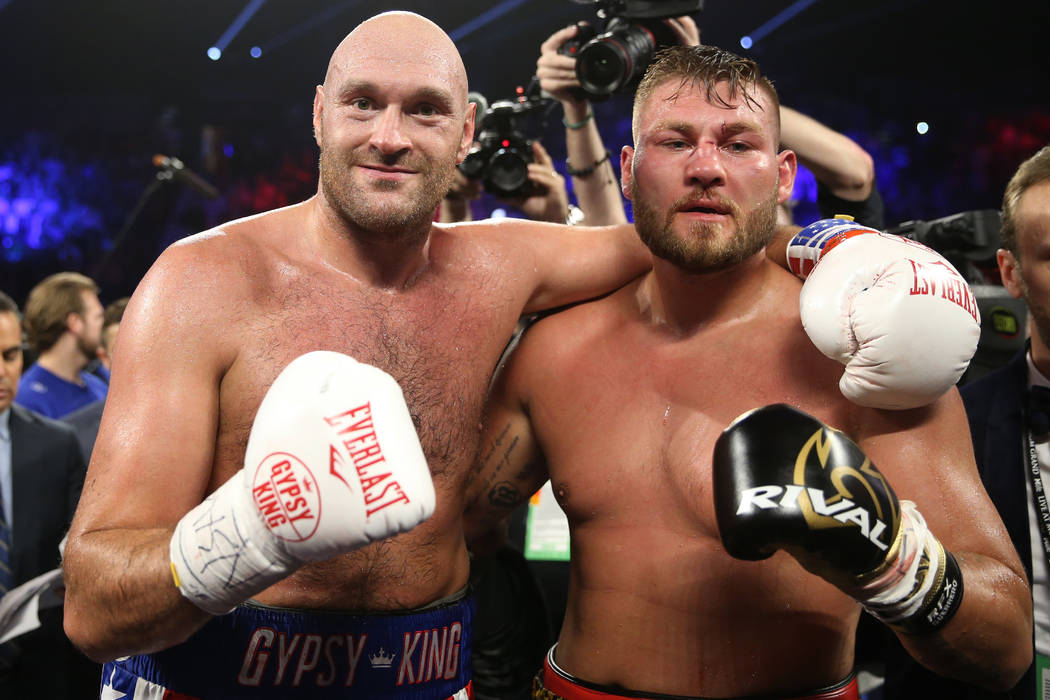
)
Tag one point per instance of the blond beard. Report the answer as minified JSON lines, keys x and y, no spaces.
{"x":699,"y":250}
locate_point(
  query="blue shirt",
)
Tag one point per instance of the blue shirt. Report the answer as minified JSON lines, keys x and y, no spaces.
{"x":50,"y":395}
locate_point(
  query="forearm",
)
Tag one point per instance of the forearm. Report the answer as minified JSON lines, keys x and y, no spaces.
{"x":598,"y":193}
{"x":988,"y":642}
{"x":120,"y":595}
{"x":833,"y":158}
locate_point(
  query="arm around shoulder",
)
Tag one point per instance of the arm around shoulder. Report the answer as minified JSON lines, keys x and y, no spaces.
{"x":574,"y":263}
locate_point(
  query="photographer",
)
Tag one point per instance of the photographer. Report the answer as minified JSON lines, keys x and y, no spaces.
{"x":546,"y":200}
{"x":844,"y":171}
{"x":589,"y":163}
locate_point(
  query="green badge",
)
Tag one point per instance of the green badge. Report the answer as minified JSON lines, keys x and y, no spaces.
{"x":546,"y":528}
{"x":1042,"y":677}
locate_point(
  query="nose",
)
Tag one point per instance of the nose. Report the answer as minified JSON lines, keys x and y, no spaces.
{"x":388,"y":134}
{"x":704,"y":167}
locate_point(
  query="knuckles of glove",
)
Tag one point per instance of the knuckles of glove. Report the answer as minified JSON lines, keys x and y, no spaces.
{"x":905,"y":327}
{"x":784,"y":480}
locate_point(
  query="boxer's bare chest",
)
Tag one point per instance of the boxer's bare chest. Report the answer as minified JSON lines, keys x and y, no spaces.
{"x":646,"y":417}
{"x":439,"y":340}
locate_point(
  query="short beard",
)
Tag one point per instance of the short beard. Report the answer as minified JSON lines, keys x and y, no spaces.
{"x":699,"y":250}
{"x":87,"y":349}
{"x":361,"y":212}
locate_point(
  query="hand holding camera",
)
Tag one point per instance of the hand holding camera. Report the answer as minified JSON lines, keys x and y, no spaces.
{"x":614,"y":60}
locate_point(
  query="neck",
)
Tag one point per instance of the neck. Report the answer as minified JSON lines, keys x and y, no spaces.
{"x":64,"y":359}
{"x":685,"y":301}
{"x":391,"y":262}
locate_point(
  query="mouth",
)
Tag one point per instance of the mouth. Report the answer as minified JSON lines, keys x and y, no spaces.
{"x":386,"y":170}
{"x":705,"y":207}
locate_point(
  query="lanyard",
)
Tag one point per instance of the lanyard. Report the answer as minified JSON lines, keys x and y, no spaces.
{"x":1038,"y":493}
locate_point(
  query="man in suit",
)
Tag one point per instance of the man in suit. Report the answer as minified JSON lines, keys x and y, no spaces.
{"x":1010,"y":423}
{"x":41,"y":474}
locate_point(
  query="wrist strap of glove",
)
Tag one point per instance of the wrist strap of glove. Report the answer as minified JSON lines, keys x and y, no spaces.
{"x":815,"y":241}
{"x":222,"y":553}
{"x":921,"y":588}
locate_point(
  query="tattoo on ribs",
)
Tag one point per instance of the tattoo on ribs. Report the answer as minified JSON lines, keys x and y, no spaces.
{"x":505,"y":494}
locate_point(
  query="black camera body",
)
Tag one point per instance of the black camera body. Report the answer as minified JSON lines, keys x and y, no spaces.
{"x":614,"y":60}
{"x":501,"y":154}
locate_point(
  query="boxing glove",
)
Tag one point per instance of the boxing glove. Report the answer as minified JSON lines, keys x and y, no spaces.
{"x":896,"y":313}
{"x":332,"y":463}
{"x":785,"y":481}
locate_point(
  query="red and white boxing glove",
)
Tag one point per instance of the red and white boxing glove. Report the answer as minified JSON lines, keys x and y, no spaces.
{"x":896,"y":313}
{"x":333,"y":463}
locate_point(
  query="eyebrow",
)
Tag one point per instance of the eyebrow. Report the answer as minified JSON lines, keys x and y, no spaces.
{"x":423,"y":93}
{"x":740,"y":127}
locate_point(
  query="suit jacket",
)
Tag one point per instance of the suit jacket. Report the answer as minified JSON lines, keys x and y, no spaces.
{"x":85,"y":421}
{"x":995,"y":410}
{"x":47,"y":474}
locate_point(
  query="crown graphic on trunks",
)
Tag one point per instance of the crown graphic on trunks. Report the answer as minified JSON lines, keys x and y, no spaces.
{"x":381,"y":659}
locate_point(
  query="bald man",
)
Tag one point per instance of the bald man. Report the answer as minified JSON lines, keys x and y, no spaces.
{"x":358,"y":269}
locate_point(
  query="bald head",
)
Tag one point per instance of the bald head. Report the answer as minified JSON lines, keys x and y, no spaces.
{"x":395,"y":40}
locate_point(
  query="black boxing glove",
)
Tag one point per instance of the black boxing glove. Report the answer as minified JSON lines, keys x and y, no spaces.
{"x":784,"y":480}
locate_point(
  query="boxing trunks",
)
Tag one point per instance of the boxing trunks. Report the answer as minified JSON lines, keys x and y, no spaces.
{"x":263,"y":652}
{"x":554,"y":683}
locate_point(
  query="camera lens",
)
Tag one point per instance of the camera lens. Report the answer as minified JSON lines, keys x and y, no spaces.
{"x":615,"y":59}
{"x":474,"y":164}
{"x":508,"y":173}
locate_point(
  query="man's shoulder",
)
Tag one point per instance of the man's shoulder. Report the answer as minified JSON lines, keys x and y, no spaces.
{"x":220,"y":264}
{"x":579,"y":326}
{"x":85,"y":415}
{"x":95,"y":385}
{"x":1008,"y":376}
{"x":41,"y":424}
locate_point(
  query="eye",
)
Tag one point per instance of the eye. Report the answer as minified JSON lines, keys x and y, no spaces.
{"x":739,"y":147}
{"x":426,"y":110}
{"x":362,"y":103}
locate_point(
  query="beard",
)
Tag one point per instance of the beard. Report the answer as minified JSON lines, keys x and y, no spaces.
{"x":362,"y":210}
{"x":700,"y":249}
{"x":87,"y":347}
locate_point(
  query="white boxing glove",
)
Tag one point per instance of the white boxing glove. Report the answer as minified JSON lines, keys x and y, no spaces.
{"x":333,"y":463}
{"x":896,"y":313}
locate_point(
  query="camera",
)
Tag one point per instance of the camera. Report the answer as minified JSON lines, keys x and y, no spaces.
{"x":969,"y":235}
{"x":614,"y":60}
{"x":501,"y":152}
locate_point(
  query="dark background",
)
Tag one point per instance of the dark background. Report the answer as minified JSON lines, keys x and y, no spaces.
{"x":91,"y":90}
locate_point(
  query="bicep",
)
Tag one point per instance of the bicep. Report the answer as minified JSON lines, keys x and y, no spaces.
{"x":155,"y":448}
{"x":582,"y":262}
{"x":927,"y":457}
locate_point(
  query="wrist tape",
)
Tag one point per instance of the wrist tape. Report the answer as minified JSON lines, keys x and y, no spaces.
{"x":920,"y":589}
{"x":222,"y":553}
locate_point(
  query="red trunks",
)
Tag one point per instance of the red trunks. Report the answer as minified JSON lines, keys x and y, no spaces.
{"x":553,"y":683}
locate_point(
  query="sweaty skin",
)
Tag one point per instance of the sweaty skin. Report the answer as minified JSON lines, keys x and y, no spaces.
{"x":359,"y":269}
{"x":619,"y":402}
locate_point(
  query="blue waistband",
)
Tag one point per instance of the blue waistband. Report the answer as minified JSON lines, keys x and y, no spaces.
{"x":262,"y":652}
